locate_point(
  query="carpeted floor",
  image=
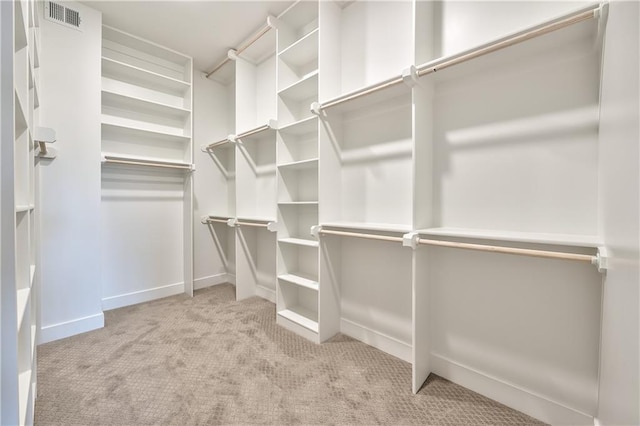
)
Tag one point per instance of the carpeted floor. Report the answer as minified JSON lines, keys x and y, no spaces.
{"x":211,"y":360}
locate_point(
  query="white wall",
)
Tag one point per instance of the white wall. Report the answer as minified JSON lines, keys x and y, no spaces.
{"x":210,"y":188}
{"x":70,"y":184}
{"x":619,"y":135}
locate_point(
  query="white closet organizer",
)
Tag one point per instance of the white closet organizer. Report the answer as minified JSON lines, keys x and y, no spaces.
{"x":147,"y":158}
{"x":298,"y":304}
{"x":20,"y":231}
{"x":445,"y":213}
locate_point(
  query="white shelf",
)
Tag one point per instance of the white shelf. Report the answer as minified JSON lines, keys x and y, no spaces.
{"x":151,"y":129}
{"x":297,"y":203}
{"x":182,"y":166}
{"x":590,"y":241}
{"x":300,"y":279}
{"x":24,"y":394}
{"x":139,"y":105}
{"x":32,"y":274}
{"x":301,"y":316}
{"x":363,"y":226}
{"x":23,"y":208}
{"x":34,"y":330}
{"x":21,"y":122}
{"x":110,"y":125}
{"x":305,"y":88}
{"x":22,"y":298}
{"x":300,"y":165}
{"x":302,"y":127}
{"x":140,"y":77}
{"x":299,"y":242}
{"x":20,"y":31}
{"x":302,"y":51}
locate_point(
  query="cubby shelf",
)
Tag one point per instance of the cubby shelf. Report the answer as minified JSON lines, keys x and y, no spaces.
{"x":22,"y":296}
{"x":140,"y":105}
{"x":151,"y":129}
{"x":302,"y":127}
{"x":140,"y":77}
{"x":301,"y":316}
{"x":300,"y":279}
{"x":111,"y":125}
{"x":297,"y":203}
{"x":24,"y":389}
{"x":305,"y":88}
{"x":590,"y":241}
{"x":20,"y":31}
{"x":21,"y":121}
{"x":300,"y":165}
{"x":299,"y":242}
{"x":302,"y":51}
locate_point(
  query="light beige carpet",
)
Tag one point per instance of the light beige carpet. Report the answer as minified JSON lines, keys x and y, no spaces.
{"x":211,"y":360}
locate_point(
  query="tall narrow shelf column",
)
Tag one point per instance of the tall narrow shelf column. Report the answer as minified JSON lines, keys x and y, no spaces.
{"x":20,"y":23}
{"x":147,"y":184}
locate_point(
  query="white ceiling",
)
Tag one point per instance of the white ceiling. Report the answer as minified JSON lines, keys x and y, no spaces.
{"x":205,"y":30}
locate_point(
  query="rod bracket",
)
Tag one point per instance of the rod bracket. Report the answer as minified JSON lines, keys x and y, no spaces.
{"x":272,"y":226}
{"x":272,"y":22}
{"x":315,"y":108}
{"x":601,"y":261}
{"x":315,"y":231}
{"x":410,"y":239}
{"x":410,"y":76}
{"x":232,"y":54}
{"x":232,"y":222}
{"x":204,"y":220}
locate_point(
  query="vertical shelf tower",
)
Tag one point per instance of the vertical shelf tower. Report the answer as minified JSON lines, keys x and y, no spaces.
{"x":147,"y":156}
{"x":20,"y":38}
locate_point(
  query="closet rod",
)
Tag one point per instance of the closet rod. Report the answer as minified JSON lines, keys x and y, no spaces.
{"x":572,"y":19}
{"x":244,"y":46}
{"x":253,"y":131}
{"x":346,"y":98}
{"x":214,"y":144}
{"x":210,"y":219}
{"x":361,"y":235}
{"x":511,"y":250}
{"x":117,"y":160}
{"x":258,"y":225}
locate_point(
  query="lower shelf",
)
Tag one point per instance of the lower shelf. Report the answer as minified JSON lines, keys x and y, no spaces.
{"x":300,"y":279}
{"x":24,"y":386}
{"x":304,"y":317}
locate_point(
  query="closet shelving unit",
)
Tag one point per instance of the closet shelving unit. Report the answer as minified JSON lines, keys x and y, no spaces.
{"x":147,"y":143}
{"x":20,"y":233}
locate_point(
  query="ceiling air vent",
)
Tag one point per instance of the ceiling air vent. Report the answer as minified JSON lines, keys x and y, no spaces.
{"x":63,"y":15}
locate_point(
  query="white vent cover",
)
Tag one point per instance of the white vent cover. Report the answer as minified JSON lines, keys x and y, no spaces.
{"x":63,"y":15}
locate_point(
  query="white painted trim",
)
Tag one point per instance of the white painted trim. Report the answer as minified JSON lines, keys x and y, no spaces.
{"x":136,"y":297}
{"x":61,"y":330}
{"x":528,"y":402}
{"x":378,"y":340}
{"x":211,"y":280}
{"x":266,"y":293}
{"x":297,"y":329}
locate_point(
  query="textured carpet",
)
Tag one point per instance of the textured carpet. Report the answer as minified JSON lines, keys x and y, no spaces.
{"x":212,"y":360}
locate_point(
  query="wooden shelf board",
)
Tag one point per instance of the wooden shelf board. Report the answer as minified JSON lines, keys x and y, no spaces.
{"x":305,"y":88}
{"x":300,"y":279}
{"x":590,"y":241}
{"x":303,"y":51}
{"x":300,"y":165}
{"x":299,"y":242}
{"x":149,"y":129}
{"x":302,"y":127}
{"x":297,"y":203}
{"x":132,"y":103}
{"x":364,"y":226}
{"x":129,"y":131}
{"x":22,"y":300}
{"x":141,"y":77}
{"x":301,"y":316}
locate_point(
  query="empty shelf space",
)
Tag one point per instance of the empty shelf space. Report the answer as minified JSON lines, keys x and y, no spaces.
{"x":24,"y":394}
{"x":300,"y":165}
{"x":149,"y":128}
{"x":297,"y":203}
{"x":130,"y":103}
{"x":303,"y":51}
{"x":301,"y":279}
{"x":111,"y":127}
{"x":141,"y":77}
{"x":301,"y":316}
{"x":305,"y":88}
{"x":590,"y":241}
{"x":302,"y":127}
{"x":299,"y":242}
{"x":22,"y":297}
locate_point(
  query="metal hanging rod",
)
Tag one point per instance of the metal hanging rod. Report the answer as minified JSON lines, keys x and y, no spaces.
{"x":349,"y":97}
{"x":257,"y":225}
{"x":234,"y":52}
{"x":224,"y":141}
{"x":360,"y":235}
{"x":511,"y":250}
{"x":136,"y":162}
{"x":583,"y":15}
{"x":270,"y":125}
{"x":210,"y":219}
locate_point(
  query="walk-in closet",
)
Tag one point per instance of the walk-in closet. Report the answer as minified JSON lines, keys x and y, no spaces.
{"x":455,"y":184}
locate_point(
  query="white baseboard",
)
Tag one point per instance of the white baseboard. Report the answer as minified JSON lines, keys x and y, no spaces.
{"x":136,"y":297}
{"x":266,"y":293}
{"x":528,"y":402}
{"x":211,"y":280}
{"x":376,"y":339}
{"x":52,"y":332}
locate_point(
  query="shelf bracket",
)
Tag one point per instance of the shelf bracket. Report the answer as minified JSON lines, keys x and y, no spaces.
{"x":315,"y":231}
{"x":601,"y":260}
{"x":410,"y":239}
{"x":44,"y":136}
{"x":410,"y":76}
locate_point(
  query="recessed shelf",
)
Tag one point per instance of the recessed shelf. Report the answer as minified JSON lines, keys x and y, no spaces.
{"x":300,"y":165}
{"x":590,"y":241}
{"x":144,"y":78}
{"x":305,"y":88}
{"x":301,"y":316}
{"x":297,"y":21}
{"x":301,"y":279}
{"x":152,"y":129}
{"x":303,"y":51}
{"x":302,"y":127}
{"x":130,"y":103}
{"x":21,"y":122}
{"x":109,"y":124}
{"x":299,"y":242}
{"x":22,"y":297}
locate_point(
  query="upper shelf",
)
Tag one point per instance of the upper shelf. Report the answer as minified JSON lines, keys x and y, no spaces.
{"x":141,"y":77}
{"x":302,"y":51}
{"x":306,"y":88}
{"x":121,"y":101}
{"x":296,"y":22}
